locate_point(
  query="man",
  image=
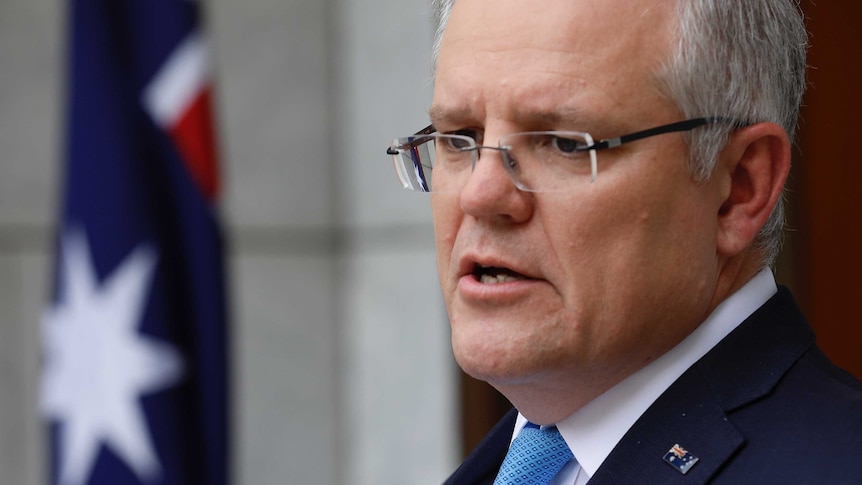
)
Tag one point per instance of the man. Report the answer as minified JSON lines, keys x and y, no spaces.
{"x":611,"y":279}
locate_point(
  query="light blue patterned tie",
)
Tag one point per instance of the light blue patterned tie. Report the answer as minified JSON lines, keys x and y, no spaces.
{"x":534,"y":457}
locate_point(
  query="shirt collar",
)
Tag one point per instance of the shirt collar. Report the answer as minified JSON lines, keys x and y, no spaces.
{"x":594,"y":430}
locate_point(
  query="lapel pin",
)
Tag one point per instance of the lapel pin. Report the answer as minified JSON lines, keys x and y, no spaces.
{"x":680,"y":459}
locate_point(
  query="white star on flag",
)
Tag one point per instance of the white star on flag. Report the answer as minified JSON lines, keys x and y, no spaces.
{"x":98,"y":366}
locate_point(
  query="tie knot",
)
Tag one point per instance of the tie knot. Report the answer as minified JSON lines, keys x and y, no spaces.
{"x":535,"y":457}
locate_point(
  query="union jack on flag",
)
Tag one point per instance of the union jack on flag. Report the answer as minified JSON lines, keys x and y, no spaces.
{"x":680,"y":459}
{"x":135,"y":338}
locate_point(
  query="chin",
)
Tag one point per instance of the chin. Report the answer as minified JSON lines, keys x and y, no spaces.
{"x":487,"y":359}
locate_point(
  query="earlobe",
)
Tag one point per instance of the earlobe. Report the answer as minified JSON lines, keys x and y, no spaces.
{"x":755,"y":164}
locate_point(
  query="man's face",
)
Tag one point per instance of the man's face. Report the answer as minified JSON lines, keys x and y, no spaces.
{"x":601,"y":279}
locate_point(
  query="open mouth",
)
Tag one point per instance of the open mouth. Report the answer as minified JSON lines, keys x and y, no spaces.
{"x":494,"y":275}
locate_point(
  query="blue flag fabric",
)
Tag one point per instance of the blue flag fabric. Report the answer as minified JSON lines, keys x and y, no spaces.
{"x":135,"y":338}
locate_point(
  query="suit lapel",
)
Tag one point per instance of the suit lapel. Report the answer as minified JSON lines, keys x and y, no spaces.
{"x":694,"y":412}
{"x":484,"y":462}
{"x":687,"y":415}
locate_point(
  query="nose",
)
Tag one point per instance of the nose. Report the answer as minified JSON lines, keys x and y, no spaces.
{"x":491,"y":193}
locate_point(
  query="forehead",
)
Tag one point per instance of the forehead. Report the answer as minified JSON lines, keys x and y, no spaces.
{"x":553,"y":55}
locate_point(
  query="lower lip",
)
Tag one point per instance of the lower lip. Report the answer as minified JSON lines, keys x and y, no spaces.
{"x":471,"y":288}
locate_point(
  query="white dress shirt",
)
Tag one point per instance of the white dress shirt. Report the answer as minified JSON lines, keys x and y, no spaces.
{"x":594,"y":430}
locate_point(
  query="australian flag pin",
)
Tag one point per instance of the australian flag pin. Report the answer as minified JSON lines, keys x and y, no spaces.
{"x":680,"y":459}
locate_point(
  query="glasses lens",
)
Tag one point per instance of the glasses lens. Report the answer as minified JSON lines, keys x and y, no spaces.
{"x":433,"y":163}
{"x":548,"y":160}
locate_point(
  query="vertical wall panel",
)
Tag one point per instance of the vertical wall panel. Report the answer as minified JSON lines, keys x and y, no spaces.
{"x":398,"y":377}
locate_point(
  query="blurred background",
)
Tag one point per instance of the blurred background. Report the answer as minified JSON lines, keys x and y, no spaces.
{"x":342,"y":371}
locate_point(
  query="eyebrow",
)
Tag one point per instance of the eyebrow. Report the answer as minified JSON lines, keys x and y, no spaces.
{"x":442,"y":116}
{"x":560,"y":115}
{"x":555,"y":117}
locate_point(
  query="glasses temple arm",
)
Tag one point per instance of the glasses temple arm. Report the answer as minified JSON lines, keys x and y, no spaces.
{"x":686,"y":125}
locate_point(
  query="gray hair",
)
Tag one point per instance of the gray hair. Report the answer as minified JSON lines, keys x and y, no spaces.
{"x":740,"y":59}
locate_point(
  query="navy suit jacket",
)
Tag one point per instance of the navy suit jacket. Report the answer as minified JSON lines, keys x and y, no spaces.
{"x":765,"y":406}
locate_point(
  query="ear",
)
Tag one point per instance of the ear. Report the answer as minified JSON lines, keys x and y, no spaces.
{"x":753,"y":167}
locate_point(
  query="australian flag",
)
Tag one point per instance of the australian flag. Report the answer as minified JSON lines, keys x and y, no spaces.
{"x":135,"y":340}
{"x":679,"y":458}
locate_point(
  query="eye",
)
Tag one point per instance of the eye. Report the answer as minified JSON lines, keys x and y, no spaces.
{"x":454,"y":143}
{"x":469,"y":133}
{"x":567,"y":145}
{"x":460,"y":143}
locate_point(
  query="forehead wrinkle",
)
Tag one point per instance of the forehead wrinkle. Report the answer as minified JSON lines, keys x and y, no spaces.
{"x":547,"y":118}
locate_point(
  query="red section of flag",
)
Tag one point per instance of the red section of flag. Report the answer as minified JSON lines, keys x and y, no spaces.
{"x":195,"y":139}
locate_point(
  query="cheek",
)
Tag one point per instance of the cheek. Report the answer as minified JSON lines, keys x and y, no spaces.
{"x":656,"y":260}
{"x":615,"y":248}
{"x":447,"y":218}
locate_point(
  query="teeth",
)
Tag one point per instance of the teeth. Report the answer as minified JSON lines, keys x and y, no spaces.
{"x":497,"y":279}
